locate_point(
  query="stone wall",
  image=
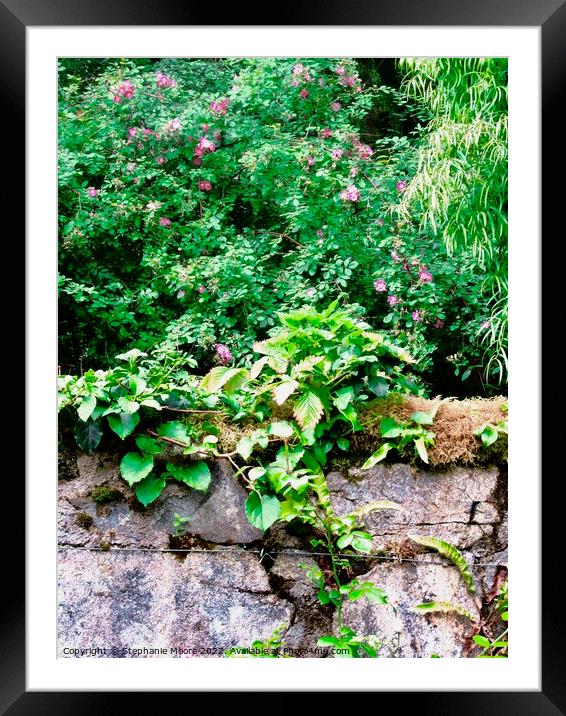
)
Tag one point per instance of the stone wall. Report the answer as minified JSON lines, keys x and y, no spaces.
{"x":126,"y":582}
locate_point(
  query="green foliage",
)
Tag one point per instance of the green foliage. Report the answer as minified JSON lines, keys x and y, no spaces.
{"x":431,"y":607}
{"x":398,"y":436}
{"x":269,"y":648}
{"x":162,"y":246}
{"x":179,"y":523}
{"x":460,"y":186}
{"x":450,"y":552}
{"x":490,"y":432}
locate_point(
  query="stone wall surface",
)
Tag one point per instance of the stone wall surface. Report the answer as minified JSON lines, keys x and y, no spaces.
{"x":119,"y":590}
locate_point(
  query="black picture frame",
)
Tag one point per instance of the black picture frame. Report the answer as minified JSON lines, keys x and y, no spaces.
{"x":15,"y":17}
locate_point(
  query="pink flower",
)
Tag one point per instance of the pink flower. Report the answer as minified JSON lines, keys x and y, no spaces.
{"x":337,"y":153}
{"x":354,"y":172}
{"x":485,"y":325}
{"x":223,"y":353}
{"x":197,"y":161}
{"x":205,"y":145}
{"x":350,"y":194}
{"x":132,"y":131}
{"x":294,"y":83}
{"x":217,"y":134}
{"x":439,"y":323}
{"x":204,"y":185}
{"x":174,"y":125}
{"x":130,"y":166}
{"x":364,"y":151}
{"x":348,"y":81}
{"x":320,"y":233}
{"x":125,"y":89}
{"x":424,"y":275}
{"x":304,"y":93}
{"x":201,"y":289}
{"x":340,"y":70}
{"x":298,"y":69}
{"x":146,"y":132}
{"x":326,"y":133}
{"x":163,"y":80}
{"x":401,"y":185}
{"x":220,"y":106}
{"x":392,"y":300}
{"x":335,"y":106}
{"x":180,"y":293}
{"x":416,"y":316}
{"x":395,"y":256}
{"x":310,"y":161}
{"x":161,"y":160}
{"x":152,"y":205}
{"x":380,"y":285}
{"x":205,"y":127}
{"x":91,"y":191}
{"x":164,"y":221}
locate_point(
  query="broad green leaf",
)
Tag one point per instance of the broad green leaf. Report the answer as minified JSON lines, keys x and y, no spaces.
{"x":378,"y":385}
{"x":132,"y":355}
{"x":343,"y":444}
{"x":262,"y":510}
{"x":379,"y":455}
{"x":422,"y":418}
{"x":344,"y":396}
{"x":429,"y":607}
{"x":137,"y":385}
{"x":149,"y":489}
{"x":281,"y":429}
{"x":175,"y":431}
{"x":245,"y":446}
{"x":148,"y":445}
{"x":374,"y":506}
{"x":151,"y":403}
{"x":257,"y":367}
{"x":123,"y":424}
{"x":221,"y":376}
{"x":88,"y":435}
{"x":448,"y":550}
{"x":86,"y":407}
{"x":134,"y":467}
{"x":128,"y":406}
{"x":482,"y":641}
{"x":308,"y":409}
{"x":390,"y":428}
{"x":195,"y":475}
{"x":282,"y":391}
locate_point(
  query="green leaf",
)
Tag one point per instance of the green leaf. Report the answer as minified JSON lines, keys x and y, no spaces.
{"x":196,"y":475}
{"x":344,"y":396}
{"x":422,"y":418}
{"x":134,"y":467}
{"x":137,"y":385}
{"x":148,"y":445}
{"x":86,"y":407}
{"x":88,"y":435}
{"x":429,"y":607}
{"x":151,"y":403}
{"x":128,"y":406}
{"x":421,"y":449}
{"x":378,"y":385}
{"x":282,"y":391}
{"x":281,"y":429}
{"x":149,"y":489}
{"x":390,"y":428}
{"x":175,"y":431}
{"x":308,"y":409}
{"x":379,"y":455}
{"x":448,"y":550}
{"x":343,"y":444}
{"x":482,"y":641}
{"x":221,"y":376}
{"x":262,"y":510}
{"x":245,"y":446}
{"x":132,"y":355}
{"x":123,"y":424}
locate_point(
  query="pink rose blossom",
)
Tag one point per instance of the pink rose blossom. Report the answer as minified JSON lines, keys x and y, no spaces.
{"x":146,"y":132}
{"x":220,"y":106}
{"x":130,"y":166}
{"x":294,"y":83}
{"x":354,"y":172}
{"x":395,"y":256}
{"x":163,"y":80}
{"x":337,"y":153}
{"x":310,"y":161}
{"x":164,"y":221}
{"x":223,"y":353}
{"x":197,"y":161}
{"x":485,"y":325}
{"x":424,"y":275}
{"x":161,"y":160}
{"x":298,"y":69}
{"x":205,"y":145}
{"x":132,"y":131}
{"x":335,"y":106}
{"x":340,"y":70}
{"x":92,"y":192}
{"x":439,"y":323}
{"x":201,"y":289}
{"x":174,"y":125}
{"x":124,"y":90}
{"x":416,"y":316}
{"x":326,"y":133}
{"x":392,"y":300}
{"x":350,"y":194}
{"x":380,"y":285}
{"x":304,"y":93}
{"x":348,"y":81}
{"x":204,"y":185}
{"x":401,"y":185}
{"x":180,"y":293}
{"x":205,"y":127}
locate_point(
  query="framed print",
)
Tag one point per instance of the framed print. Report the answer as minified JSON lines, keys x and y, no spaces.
{"x":280,"y":346}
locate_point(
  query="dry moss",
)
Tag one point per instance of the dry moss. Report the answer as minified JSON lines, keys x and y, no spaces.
{"x":454,"y":425}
